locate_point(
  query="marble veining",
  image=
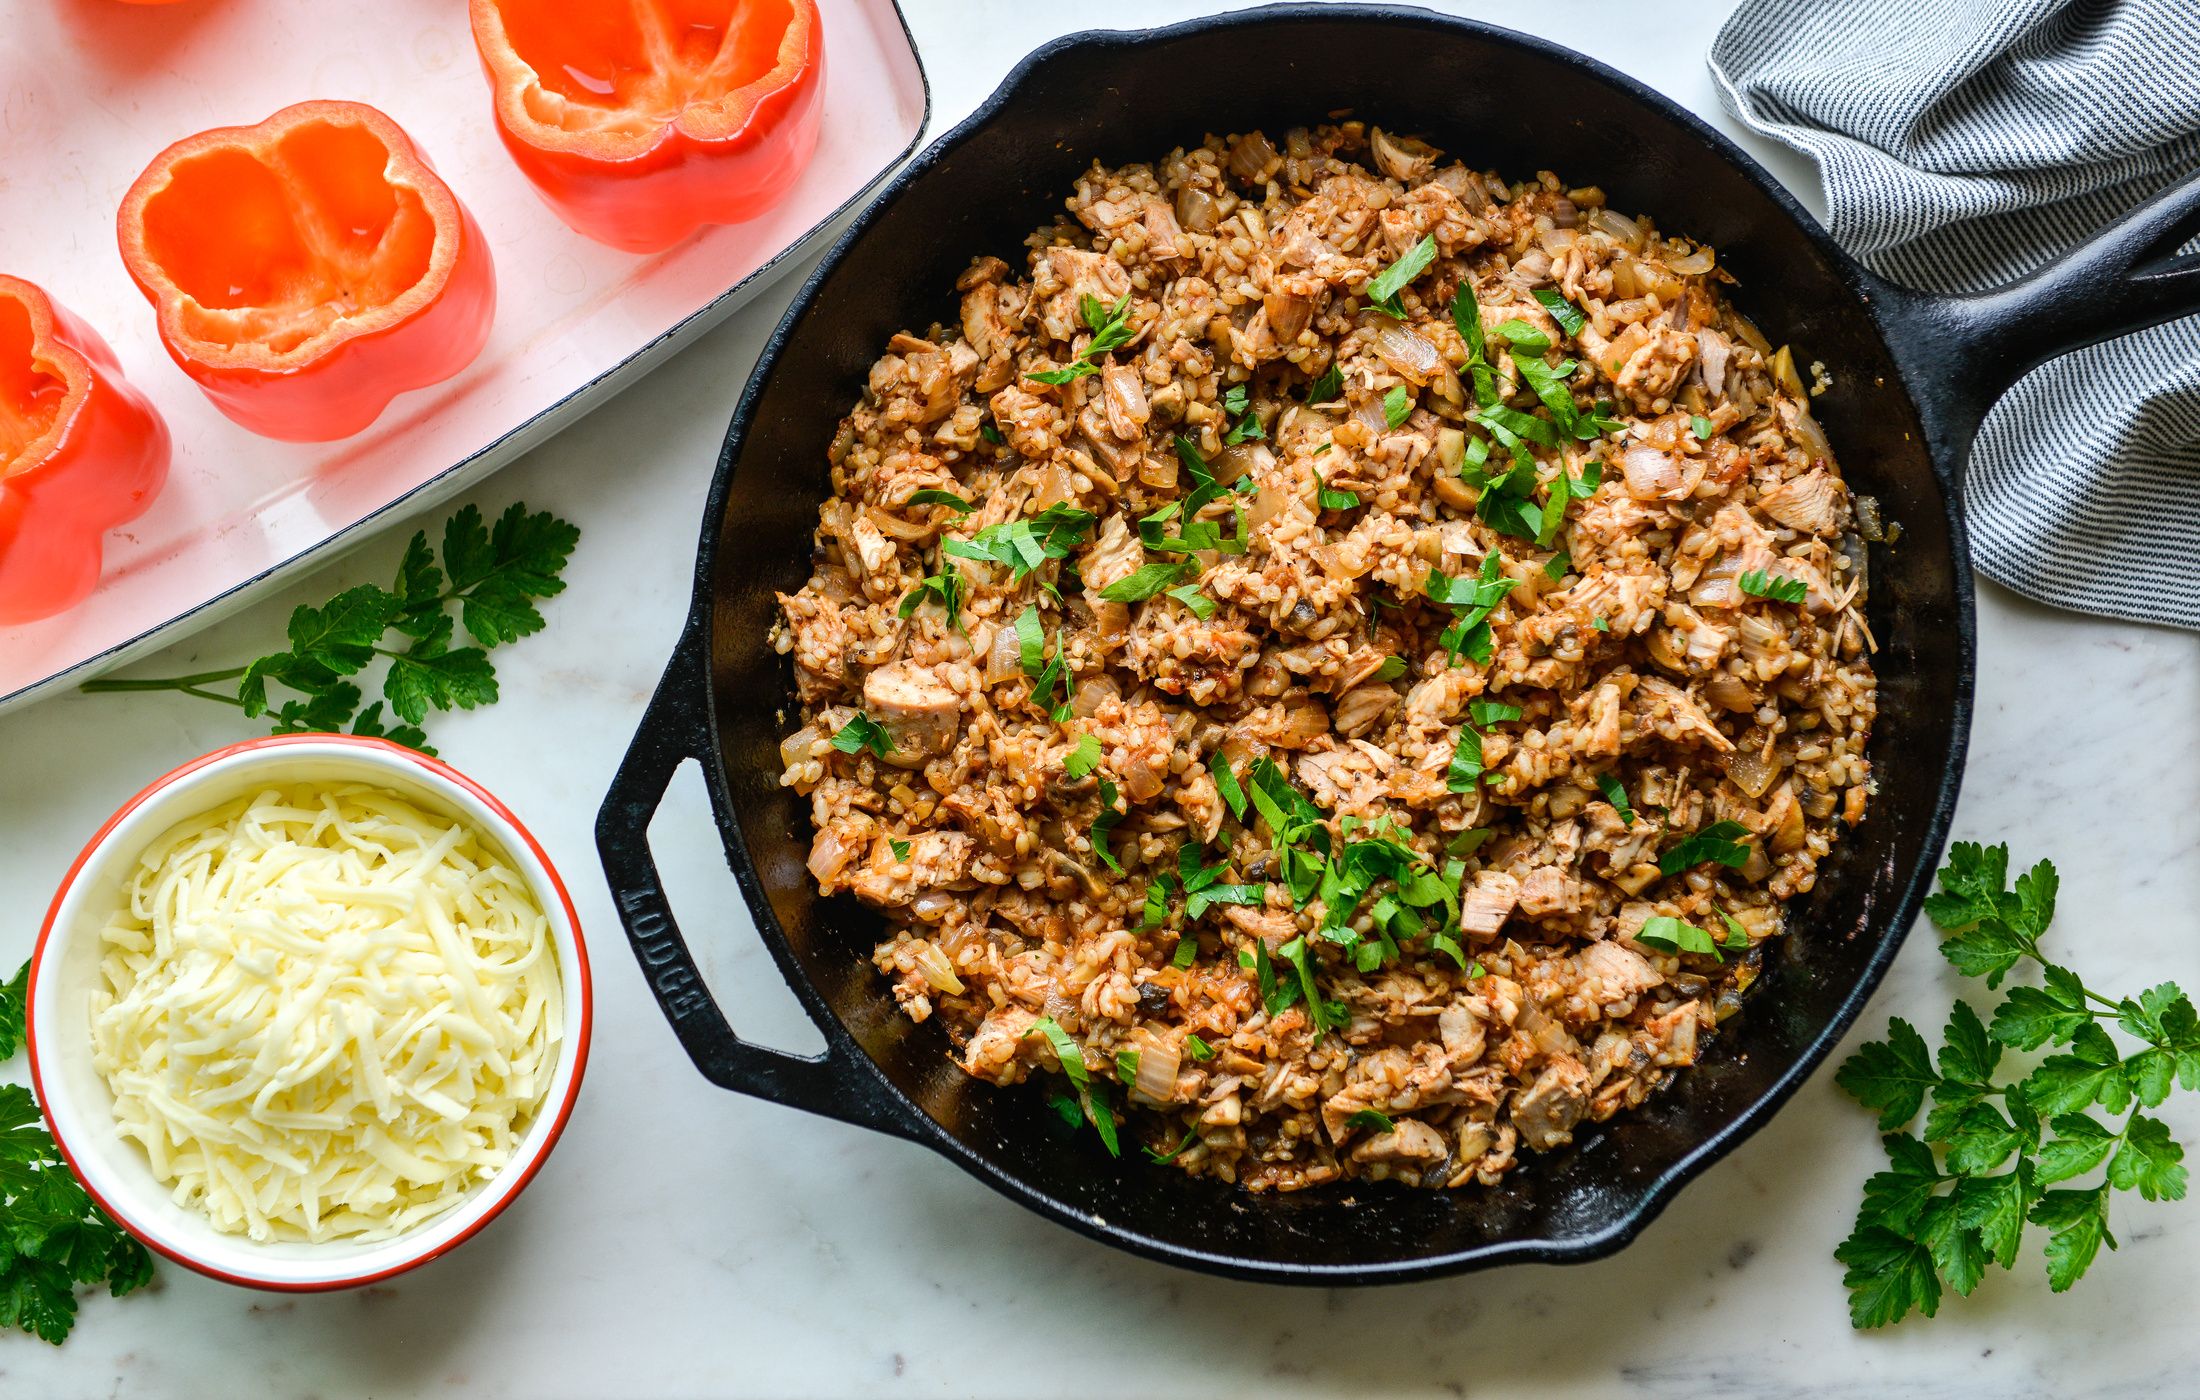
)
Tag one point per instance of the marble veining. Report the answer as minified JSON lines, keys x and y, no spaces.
{"x":684,"y":1241}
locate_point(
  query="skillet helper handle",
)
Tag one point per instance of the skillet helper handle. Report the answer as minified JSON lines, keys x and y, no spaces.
{"x":1969,"y":350}
{"x":675,"y":728}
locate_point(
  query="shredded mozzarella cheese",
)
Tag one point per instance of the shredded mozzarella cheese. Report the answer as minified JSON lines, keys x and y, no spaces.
{"x":326,"y":1013}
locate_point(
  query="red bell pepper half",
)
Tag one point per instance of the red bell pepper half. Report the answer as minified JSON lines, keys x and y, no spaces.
{"x":641,"y":122}
{"x":309,"y":269}
{"x":80,"y":453}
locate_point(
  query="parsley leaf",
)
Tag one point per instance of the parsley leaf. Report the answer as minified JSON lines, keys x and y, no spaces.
{"x":863,"y":732}
{"x":1149,"y":580}
{"x":1083,"y":758}
{"x":495,"y":576}
{"x":1371,"y":1120}
{"x":1615,"y":792}
{"x":1202,"y":606}
{"x":1226,"y":784}
{"x":1110,"y":327}
{"x":1383,"y":290}
{"x":933,"y":496}
{"x":1569,"y":317}
{"x":1701,"y":427}
{"x":1106,"y":822}
{"x":15,"y":1001}
{"x":53,"y":1238}
{"x":1024,"y":544}
{"x":1714,"y":842}
{"x":1779,"y":588}
{"x":1397,"y":405}
{"x":1328,"y":385}
{"x":1071,"y":1057}
{"x":1891,"y":1076}
{"x":900,"y":849}
{"x":1332,"y":499}
{"x":1668,"y":934}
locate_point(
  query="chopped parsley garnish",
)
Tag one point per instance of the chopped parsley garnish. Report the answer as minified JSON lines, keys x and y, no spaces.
{"x":1602,"y":624}
{"x":990,"y":433}
{"x":1110,"y":327}
{"x":1471,"y":601}
{"x":1049,"y":676}
{"x":1331,"y":498}
{"x":1198,"y":902}
{"x":1110,"y":814}
{"x":1779,"y":588}
{"x":946,"y":585}
{"x":1159,"y":1159}
{"x":1126,"y":1065}
{"x":1023,"y":545}
{"x":1187,"y":951}
{"x":1489,"y":712}
{"x":1226,"y":784}
{"x":1149,"y":580}
{"x":863,"y":732}
{"x":1670,"y":935}
{"x":1202,"y":606}
{"x":1466,"y":315}
{"x":1615,"y":792}
{"x":1371,"y":1120}
{"x":1083,"y":758}
{"x":1566,"y":488}
{"x":1737,"y":937}
{"x":1072,"y":1059}
{"x":1467,"y":842}
{"x":1326,"y":386}
{"x":1397,"y":405}
{"x":901,"y":849}
{"x":1198,"y":1049}
{"x":1524,"y":337}
{"x":1466,"y":761}
{"x":1568,"y":315}
{"x":933,"y":496}
{"x":1392,"y":668}
{"x":1558,"y":565}
{"x":1237,"y":400}
{"x":1701,"y":426}
{"x":1714,"y":842}
{"x":1383,"y":290}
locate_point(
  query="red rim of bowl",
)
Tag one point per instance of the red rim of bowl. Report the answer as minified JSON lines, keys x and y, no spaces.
{"x":577,"y":1048}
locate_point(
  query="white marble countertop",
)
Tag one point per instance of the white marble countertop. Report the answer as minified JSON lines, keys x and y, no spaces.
{"x":685,"y":1241}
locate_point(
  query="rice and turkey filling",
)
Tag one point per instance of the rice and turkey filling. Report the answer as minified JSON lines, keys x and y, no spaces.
{"x":1336,"y":664}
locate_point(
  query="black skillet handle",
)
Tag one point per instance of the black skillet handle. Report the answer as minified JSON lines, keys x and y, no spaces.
{"x":677,"y":727}
{"x":1965,"y":352}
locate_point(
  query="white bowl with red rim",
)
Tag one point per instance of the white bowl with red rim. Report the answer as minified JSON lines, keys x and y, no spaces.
{"x":79,"y":1107}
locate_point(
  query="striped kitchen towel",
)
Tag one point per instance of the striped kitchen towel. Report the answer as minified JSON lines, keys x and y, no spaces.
{"x":1963,"y":143}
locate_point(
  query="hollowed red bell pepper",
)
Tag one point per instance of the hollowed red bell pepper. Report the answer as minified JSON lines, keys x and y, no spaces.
{"x":80,"y":453}
{"x":640,"y":123}
{"x":309,"y":269}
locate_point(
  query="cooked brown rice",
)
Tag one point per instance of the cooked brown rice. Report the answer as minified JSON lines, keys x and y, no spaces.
{"x":1434,"y":967}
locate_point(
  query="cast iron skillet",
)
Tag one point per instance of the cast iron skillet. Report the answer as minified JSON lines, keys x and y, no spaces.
{"x":1913,"y":377}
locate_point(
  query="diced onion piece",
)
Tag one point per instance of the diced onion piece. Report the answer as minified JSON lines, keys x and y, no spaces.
{"x":1004,"y":659}
{"x":1196,"y":209}
{"x":1408,"y":354}
{"x":1616,"y":226}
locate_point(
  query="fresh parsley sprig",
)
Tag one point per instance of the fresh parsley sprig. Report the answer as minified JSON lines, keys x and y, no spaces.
{"x":494,"y":577}
{"x":1957,"y":1195}
{"x":53,"y":1238}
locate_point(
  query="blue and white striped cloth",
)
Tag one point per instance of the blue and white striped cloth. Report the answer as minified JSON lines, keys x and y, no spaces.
{"x":1963,"y":143}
